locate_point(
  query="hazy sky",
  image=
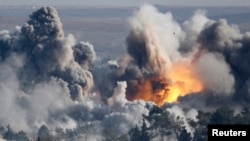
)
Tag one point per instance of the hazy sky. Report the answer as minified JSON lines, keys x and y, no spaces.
{"x":128,"y":2}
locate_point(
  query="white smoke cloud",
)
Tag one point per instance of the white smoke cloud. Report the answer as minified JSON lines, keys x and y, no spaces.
{"x":48,"y":99}
{"x":216,"y":74}
{"x":192,"y":29}
{"x":182,"y":118}
{"x":126,"y":114}
{"x":39,"y":75}
{"x":45,"y":77}
{"x":119,"y":97}
{"x":29,"y":111}
{"x":11,"y":112}
{"x":65,"y":52}
{"x":5,"y":35}
{"x":157,"y":34}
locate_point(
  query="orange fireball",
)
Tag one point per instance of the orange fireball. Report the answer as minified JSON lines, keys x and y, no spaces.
{"x":179,"y":80}
{"x":183,"y":81}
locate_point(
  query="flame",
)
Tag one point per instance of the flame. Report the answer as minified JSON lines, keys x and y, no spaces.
{"x":183,"y":81}
{"x":152,"y":88}
{"x":179,"y":80}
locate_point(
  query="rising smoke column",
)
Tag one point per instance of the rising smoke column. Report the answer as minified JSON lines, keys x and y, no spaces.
{"x":50,"y":54}
{"x":44,"y":78}
{"x":153,"y":45}
{"x":46,"y":81}
{"x":166,"y":60}
{"x":148,"y":50}
{"x":227,"y":40}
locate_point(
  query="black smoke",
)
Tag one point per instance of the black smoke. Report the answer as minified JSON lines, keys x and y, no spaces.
{"x":49,"y":79}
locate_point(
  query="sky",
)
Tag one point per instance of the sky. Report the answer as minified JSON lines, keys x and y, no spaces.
{"x":128,"y":2}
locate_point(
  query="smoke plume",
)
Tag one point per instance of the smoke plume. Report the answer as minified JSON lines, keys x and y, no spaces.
{"x":48,"y":80}
{"x":46,"y":84}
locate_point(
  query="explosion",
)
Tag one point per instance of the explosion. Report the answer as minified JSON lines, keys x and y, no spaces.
{"x":151,"y":88}
{"x":180,"y":80}
{"x":154,"y":48}
{"x":49,"y":79}
{"x":183,"y":81}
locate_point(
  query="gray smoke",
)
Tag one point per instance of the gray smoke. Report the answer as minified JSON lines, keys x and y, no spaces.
{"x":156,"y":42}
{"x":84,"y":54}
{"x":227,"y":40}
{"x":192,"y":29}
{"x":47,"y":78}
{"x":46,"y":81}
{"x":216,"y":74}
{"x":49,"y":54}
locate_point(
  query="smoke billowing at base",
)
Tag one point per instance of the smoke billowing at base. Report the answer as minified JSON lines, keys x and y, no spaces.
{"x":50,"y":89}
